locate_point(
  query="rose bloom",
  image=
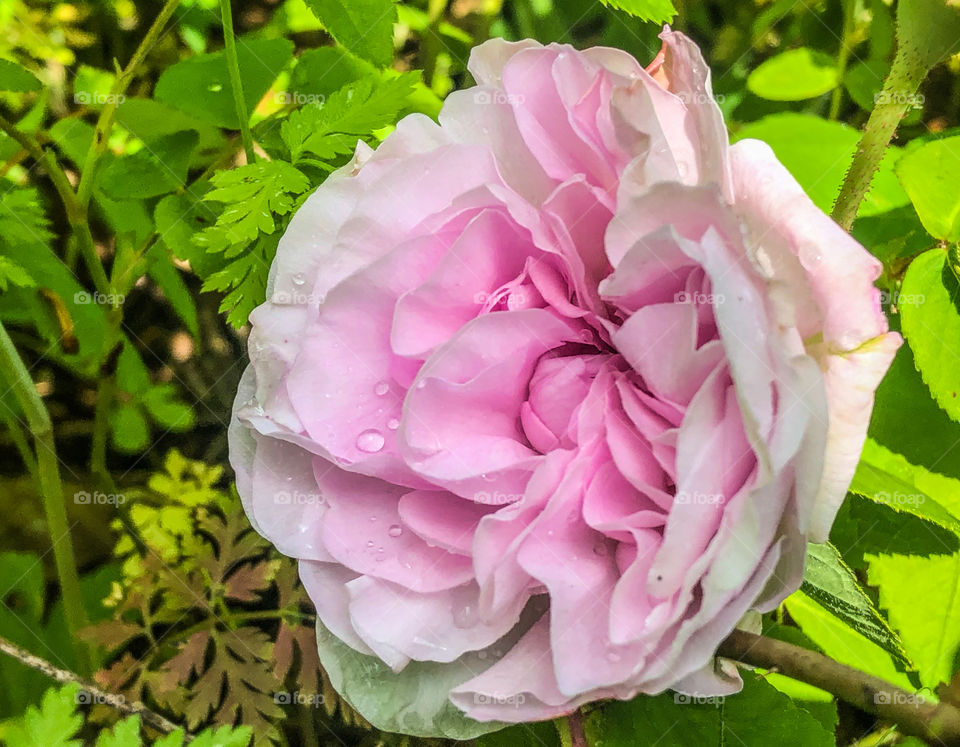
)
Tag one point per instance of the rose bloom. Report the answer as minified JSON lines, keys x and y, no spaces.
{"x":559,"y":387}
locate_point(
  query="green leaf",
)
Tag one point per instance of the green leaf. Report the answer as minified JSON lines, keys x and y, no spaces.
{"x":841,"y":642}
{"x":655,"y":11}
{"x":162,"y":403}
{"x":91,"y":87}
{"x":413,"y":701}
{"x":758,"y":716}
{"x":542,"y":734}
{"x":830,"y":583}
{"x":922,"y":599}
{"x":125,"y":734}
{"x":930,"y":174}
{"x":331,"y":129}
{"x":818,"y":153}
{"x":15,"y":78}
{"x":158,"y":168}
{"x":13,"y":273}
{"x":907,"y":421}
{"x":864,"y":527}
{"x":244,"y":280}
{"x":932,"y":325}
{"x":52,"y":724}
{"x":200,"y":86}
{"x":364,"y":27}
{"x":147,"y":119}
{"x":179,"y":217}
{"x":321,"y":71}
{"x":61,"y":310}
{"x":252,"y":196}
{"x":794,"y":75}
{"x":877,"y":480}
{"x":130,"y":432}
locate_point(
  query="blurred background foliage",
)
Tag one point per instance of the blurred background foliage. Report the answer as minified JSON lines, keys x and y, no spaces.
{"x":138,"y":368}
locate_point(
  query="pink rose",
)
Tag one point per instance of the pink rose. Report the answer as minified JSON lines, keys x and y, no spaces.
{"x":552,"y":393}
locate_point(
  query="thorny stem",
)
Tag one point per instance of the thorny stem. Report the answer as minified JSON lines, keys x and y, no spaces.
{"x":938,"y":723}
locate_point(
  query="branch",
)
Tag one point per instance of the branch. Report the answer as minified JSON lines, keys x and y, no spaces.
{"x":62,"y":675}
{"x":938,"y":723}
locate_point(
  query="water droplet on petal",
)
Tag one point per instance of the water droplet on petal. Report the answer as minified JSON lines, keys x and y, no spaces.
{"x":395,"y":530}
{"x":421,"y":384}
{"x":370,"y":441}
{"x":381,"y":389}
{"x":298,"y":278}
{"x":369,"y":543}
{"x":393,"y":424}
{"x":465,"y":616}
{"x":613,"y":656}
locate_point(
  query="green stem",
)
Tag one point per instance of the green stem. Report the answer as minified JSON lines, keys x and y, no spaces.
{"x":899,"y":89}
{"x":104,"y":124}
{"x":20,"y":442}
{"x":15,"y":373}
{"x":236,"y":85}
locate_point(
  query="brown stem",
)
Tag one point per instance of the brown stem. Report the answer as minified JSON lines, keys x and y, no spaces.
{"x":62,"y":675}
{"x":939,"y":723}
{"x":578,"y":737}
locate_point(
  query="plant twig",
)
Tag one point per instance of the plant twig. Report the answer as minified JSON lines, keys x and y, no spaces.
{"x":102,"y":696}
{"x":14,"y":373}
{"x":938,"y":723}
{"x":578,"y":737}
{"x":236,"y":84}
{"x":104,"y":124}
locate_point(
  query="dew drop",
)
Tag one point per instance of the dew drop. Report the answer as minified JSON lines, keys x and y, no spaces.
{"x":613,"y":656}
{"x":369,"y":543}
{"x":395,"y":530}
{"x":370,"y":441}
{"x":393,"y":424}
{"x":465,"y":616}
{"x":299,"y":279}
{"x":373,"y":518}
{"x":381,"y":389}
{"x":421,"y":384}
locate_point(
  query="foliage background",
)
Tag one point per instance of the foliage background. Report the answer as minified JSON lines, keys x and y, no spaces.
{"x":140,"y":205}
